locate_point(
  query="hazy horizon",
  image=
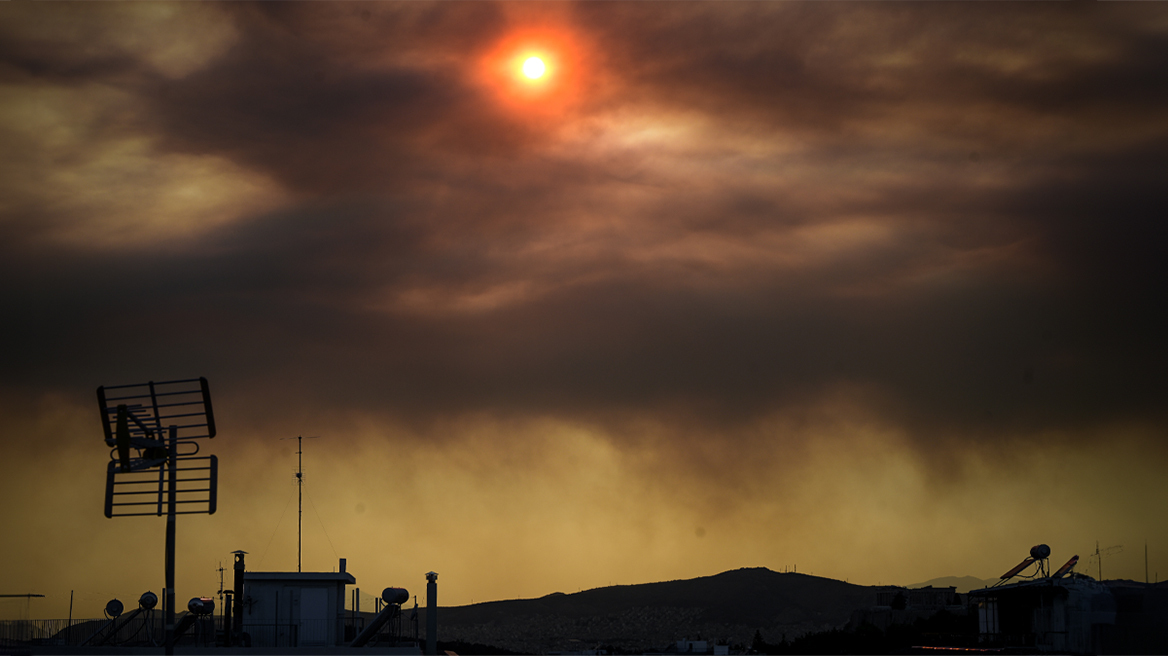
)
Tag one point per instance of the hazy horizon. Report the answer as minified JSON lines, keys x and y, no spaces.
{"x":873,"y":289}
{"x":85,"y":600}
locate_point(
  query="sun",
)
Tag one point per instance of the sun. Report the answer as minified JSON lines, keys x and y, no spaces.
{"x":534,"y":68}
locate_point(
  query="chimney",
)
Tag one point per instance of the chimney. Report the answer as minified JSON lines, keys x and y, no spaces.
{"x":342,"y":566}
{"x":237,"y":609}
{"x":432,"y":613}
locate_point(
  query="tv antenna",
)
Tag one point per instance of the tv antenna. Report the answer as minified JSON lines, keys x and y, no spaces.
{"x":300,"y":493}
{"x":1100,"y":553}
{"x":145,"y":425}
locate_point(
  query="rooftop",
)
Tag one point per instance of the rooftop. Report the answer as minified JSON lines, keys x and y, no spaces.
{"x":299,"y":576}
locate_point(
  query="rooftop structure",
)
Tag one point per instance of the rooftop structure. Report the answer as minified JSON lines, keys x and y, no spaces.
{"x":1063,"y":615}
{"x":295,"y":609}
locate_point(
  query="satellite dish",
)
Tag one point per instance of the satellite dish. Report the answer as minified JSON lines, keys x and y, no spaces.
{"x":148,"y":600}
{"x":1040,"y":552}
{"x":114,"y":608}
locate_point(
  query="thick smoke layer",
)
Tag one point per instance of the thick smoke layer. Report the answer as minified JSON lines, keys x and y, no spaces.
{"x":743,"y":283}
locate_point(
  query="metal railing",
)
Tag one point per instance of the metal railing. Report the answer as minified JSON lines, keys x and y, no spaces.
{"x":304,"y":633}
{"x":42,"y":632}
{"x":151,"y":631}
{"x":145,"y":631}
{"x":75,"y":633}
{"x":272,"y":635}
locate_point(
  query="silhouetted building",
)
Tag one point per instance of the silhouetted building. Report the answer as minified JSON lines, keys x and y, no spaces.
{"x":1141,"y":619}
{"x":1076,"y":615}
{"x":699,"y":646}
{"x":918,"y":598}
{"x":295,"y":609}
{"x":897,"y":605}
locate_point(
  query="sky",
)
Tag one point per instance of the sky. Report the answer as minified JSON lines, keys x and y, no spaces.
{"x":875,"y":291}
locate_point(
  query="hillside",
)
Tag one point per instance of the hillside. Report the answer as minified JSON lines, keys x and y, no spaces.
{"x":730,"y":606}
{"x":962,"y":583}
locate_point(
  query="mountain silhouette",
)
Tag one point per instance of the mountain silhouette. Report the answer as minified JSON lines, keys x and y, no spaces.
{"x":962,"y":583}
{"x":729,"y":607}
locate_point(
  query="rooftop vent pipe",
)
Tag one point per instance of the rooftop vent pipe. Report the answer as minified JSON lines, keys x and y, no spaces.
{"x":432,"y":613}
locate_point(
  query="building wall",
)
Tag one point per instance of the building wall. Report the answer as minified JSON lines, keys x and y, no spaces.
{"x":1059,"y":616}
{"x":293,"y":613}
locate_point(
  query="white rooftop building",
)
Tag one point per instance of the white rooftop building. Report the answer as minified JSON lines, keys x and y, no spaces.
{"x":295,"y":609}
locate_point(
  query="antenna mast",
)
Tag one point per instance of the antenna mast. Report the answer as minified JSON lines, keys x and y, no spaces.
{"x":299,"y":499}
{"x":154,"y":430}
{"x":1100,"y":553}
{"x":300,"y":495}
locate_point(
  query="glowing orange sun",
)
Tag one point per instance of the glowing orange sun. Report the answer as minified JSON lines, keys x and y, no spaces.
{"x":534,"y":68}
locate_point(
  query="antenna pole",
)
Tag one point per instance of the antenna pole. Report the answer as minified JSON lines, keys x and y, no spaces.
{"x":171,"y":511}
{"x":300,"y":498}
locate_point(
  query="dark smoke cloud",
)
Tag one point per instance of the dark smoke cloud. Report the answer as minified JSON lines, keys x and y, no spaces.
{"x":822,"y":280}
{"x":1018,"y":291}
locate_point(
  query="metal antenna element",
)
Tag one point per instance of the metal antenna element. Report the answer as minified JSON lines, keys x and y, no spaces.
{"x":300,"y":493}
{"x":1100,"y":553}
{"x":153,"y":431}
